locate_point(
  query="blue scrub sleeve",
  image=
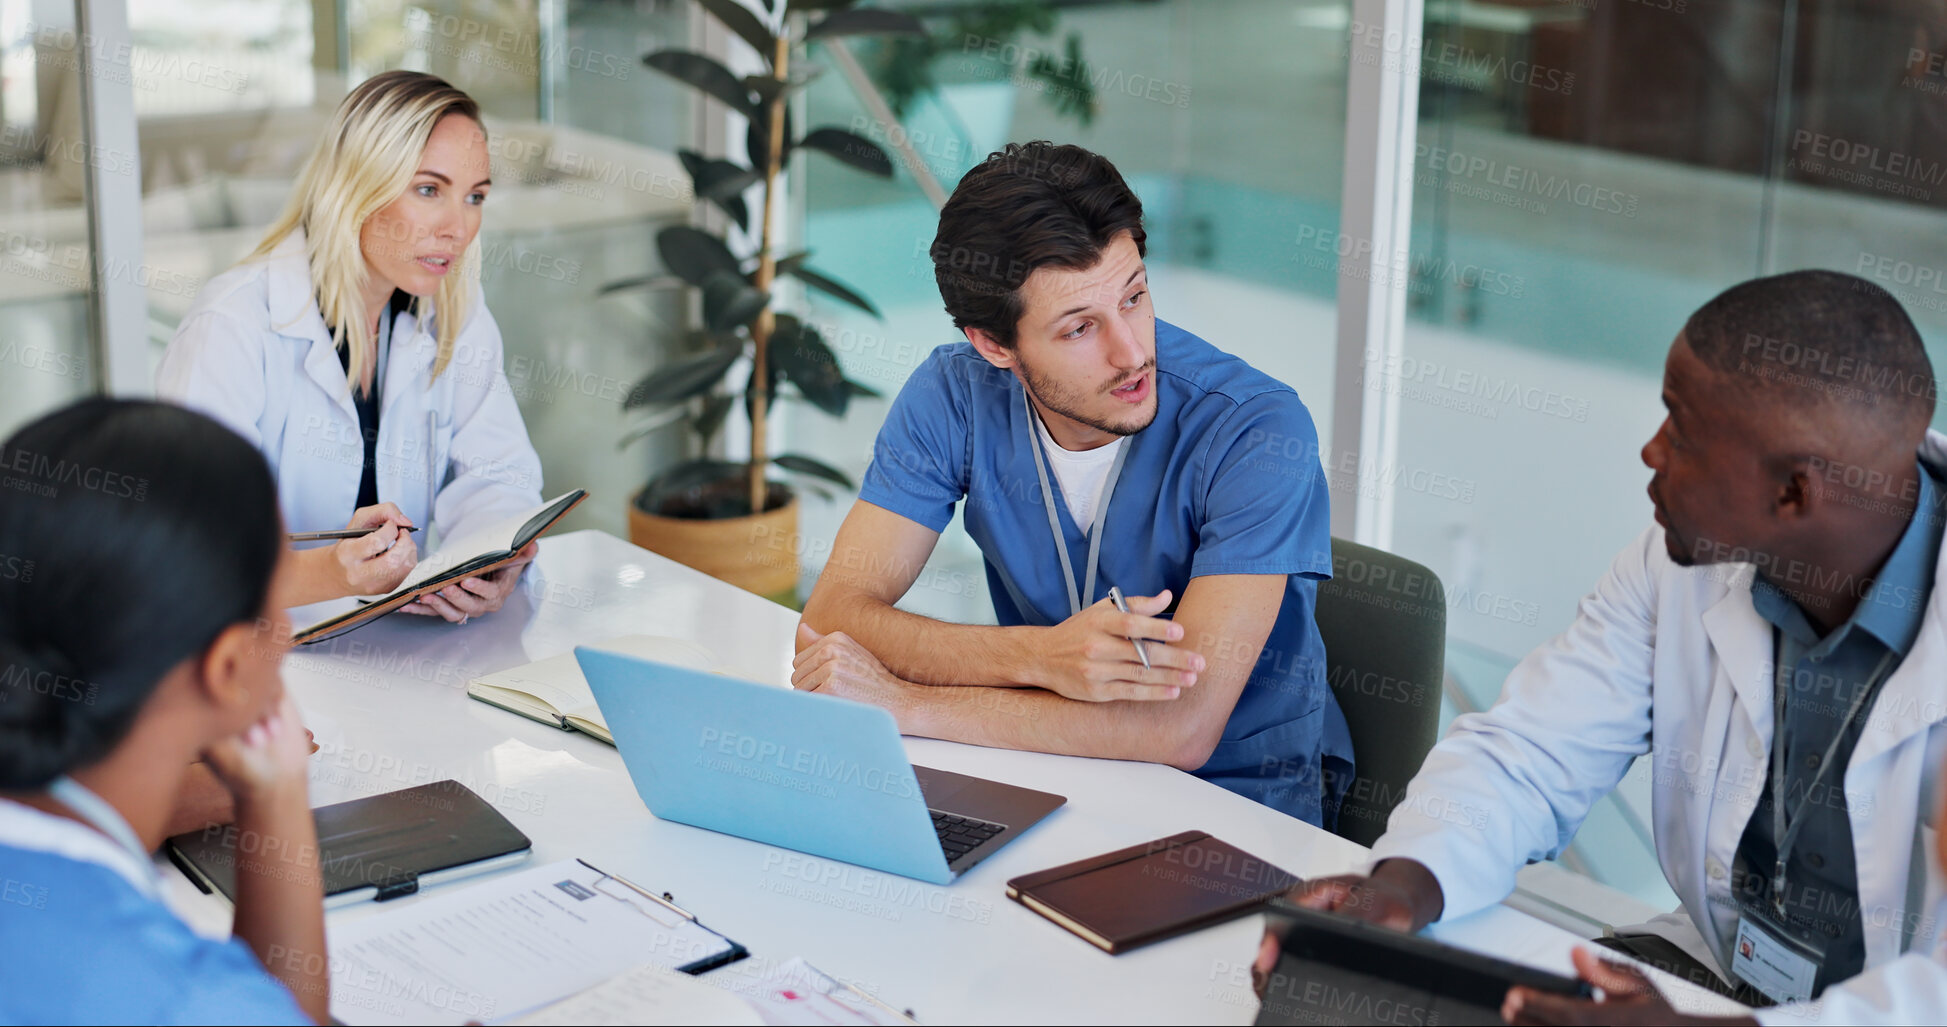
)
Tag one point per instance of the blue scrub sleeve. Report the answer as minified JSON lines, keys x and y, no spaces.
{"x":1266,"y":507}
{"x":919,"y":461}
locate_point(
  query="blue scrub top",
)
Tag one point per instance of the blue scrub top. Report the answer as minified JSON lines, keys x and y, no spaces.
{"x":82,"y":945}
{"x":1226,"y":480}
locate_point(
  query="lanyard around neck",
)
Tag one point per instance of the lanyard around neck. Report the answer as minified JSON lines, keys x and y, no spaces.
{"x":96,"y":811}
{"x":1786,"y":837}
{"x":1054,"y":519}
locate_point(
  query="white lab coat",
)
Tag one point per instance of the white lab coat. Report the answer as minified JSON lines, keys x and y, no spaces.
{"x":1512,"y":785}
{"x":453,"y":453}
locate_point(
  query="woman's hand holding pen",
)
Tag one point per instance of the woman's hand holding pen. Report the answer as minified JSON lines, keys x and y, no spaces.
{"x":374,"y":564}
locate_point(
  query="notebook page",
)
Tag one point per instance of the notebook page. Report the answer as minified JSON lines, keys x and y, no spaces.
{"x":557,"y":680}
{"x":497,"y":537}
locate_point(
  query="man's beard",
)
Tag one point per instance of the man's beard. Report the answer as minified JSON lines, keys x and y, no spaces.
{"x":1068,"y":400}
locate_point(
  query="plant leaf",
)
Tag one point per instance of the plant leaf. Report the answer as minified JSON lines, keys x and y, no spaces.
{"x":739,"y":19}
{"x":690,"y":376}
{"x":757,"y":141}
{"x":709,"y":420}
{"x":771,"y":377}
{"x":730,"y":302}
{"x":768,"y":88}
{"x":721,"y":182}
{"x":703,"y":73}
{"x":735,"y":208}
{"x":640,"y":281}
{"x":714,"y":177}
{"x":858,"y":389}
{"x":663,"y":419}
{"x":850,"y":148}
{"x":864,"y":21}
{"x":801,"y":355}
{"x":806,"y":465}
{"x":829,"y":286}
{"x":693,"y":254}
{"x":819,"y":5}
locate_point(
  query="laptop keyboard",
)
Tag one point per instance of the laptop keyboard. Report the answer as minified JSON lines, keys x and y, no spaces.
{"x":960,"y":835}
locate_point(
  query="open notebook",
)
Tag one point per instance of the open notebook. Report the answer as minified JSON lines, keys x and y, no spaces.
{"x":480,"y":551}
{"x":553,"y":691}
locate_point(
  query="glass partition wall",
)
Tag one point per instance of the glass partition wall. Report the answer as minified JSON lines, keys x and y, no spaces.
{"x":582,"y":139}
{"x":1585,"y":177}
{"x":47,"y":355}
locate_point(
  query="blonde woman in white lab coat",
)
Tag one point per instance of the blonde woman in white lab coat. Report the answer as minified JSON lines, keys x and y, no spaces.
{"x":335,"y":349}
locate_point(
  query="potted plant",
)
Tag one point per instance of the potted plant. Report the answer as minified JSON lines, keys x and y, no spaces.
{"x":729,"y":518}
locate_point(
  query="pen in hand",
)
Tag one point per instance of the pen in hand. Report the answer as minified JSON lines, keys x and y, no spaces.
{"x":1122,"y":604}
{"x":339,"y":534}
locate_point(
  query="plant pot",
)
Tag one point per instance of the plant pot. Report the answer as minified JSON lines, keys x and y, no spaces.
{"x":756,"y":553}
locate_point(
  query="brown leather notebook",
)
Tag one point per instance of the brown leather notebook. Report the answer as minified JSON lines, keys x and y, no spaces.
{"x":1145,"y":893}
{"x":481,"y":552}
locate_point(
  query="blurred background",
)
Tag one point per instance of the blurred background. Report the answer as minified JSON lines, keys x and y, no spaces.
{"x":1584,"y":176}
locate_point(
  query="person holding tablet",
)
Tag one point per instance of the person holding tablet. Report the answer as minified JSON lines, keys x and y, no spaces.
{"x":1774,"y":647}
{"x":353,"y":349}
{"x":1100,"y":451}
{"x":139,"y":633}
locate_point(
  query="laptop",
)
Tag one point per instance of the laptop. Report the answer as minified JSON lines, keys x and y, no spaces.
{"x":815,"y":773}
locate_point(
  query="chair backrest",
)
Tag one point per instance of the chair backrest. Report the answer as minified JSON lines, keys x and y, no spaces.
{"x":1384,"y":622}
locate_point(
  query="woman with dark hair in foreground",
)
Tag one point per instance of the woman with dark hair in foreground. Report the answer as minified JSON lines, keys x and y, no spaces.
{"x":140,"y":547}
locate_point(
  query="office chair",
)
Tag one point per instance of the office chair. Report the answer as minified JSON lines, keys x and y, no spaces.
{"x":1384,"y":622}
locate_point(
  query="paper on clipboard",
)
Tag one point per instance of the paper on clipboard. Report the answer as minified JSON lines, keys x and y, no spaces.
{"x":497,"y":950}
{"x":646,"y":994}
{"x":795,"y":993}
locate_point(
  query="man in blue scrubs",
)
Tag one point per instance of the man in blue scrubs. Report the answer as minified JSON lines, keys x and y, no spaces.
{"x":1095,"y":446}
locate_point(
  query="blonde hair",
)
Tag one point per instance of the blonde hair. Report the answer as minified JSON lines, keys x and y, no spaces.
{"x":364,"y":161}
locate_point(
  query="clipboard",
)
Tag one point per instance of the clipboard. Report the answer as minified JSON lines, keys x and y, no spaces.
{"x":511,"y":945}
{"x":642,"y":899}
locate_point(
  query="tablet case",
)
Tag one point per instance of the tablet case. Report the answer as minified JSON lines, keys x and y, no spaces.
{"x":386,"y":842}
{"x":1334,"y":969}
{"x":1132,"y":897}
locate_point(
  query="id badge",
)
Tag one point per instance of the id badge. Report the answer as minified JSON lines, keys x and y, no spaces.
{"x":1781,"y":967}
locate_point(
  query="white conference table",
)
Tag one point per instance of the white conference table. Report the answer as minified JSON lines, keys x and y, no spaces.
{"x":389,"y":707}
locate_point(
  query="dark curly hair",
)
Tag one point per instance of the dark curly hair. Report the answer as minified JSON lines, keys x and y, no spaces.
{"x":1030,"y":205}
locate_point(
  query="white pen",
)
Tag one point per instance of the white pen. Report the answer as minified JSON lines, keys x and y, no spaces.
{"x":1122,"y":604}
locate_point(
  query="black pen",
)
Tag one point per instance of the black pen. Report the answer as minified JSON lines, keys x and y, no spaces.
{"x":1122,"y":604}
{"x":339,"y":534}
